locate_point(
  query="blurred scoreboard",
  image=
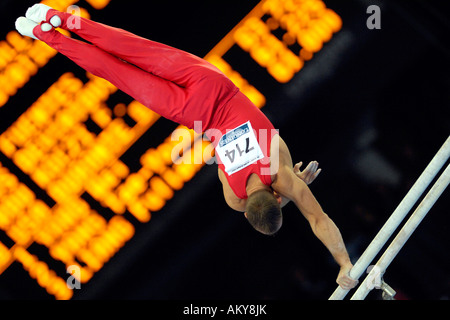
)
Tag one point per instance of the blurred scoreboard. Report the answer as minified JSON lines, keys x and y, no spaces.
{"x":54,"y":161}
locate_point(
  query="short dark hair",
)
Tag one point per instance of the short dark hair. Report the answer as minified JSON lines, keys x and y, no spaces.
{"x":264,"y":212}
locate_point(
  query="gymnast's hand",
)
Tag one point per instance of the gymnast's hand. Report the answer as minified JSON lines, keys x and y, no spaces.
{"x":344,"y":279}
{"x":309,"y":174}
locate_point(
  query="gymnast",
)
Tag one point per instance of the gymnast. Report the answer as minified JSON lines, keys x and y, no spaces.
{"x":254,"y":163}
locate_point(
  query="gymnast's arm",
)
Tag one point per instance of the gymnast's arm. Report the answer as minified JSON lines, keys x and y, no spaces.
{"x":323,"y":227}
{"x":308,"y":175}
{"x":289,"y":185}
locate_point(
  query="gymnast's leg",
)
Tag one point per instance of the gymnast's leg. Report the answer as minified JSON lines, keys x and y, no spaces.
{"x":206,"y":88}
{"x":164,"y":61}
{"x":162,"y":96}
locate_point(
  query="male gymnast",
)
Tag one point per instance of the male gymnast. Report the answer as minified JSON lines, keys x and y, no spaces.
{"x":255,"y":166}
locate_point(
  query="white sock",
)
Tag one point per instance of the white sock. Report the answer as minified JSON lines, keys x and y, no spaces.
{"x":37,"y":12}
{"x":25,"y":27}
{"x":55,"y":21}
{"x":46,"y":27}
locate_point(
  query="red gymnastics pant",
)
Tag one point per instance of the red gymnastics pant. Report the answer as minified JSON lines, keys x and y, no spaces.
{"x":173,"y":83}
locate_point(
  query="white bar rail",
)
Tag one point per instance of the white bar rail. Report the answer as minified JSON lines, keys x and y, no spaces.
{"x":397,"y":216}
{"x":404,"y":234}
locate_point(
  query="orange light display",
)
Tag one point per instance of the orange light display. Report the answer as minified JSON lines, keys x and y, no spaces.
{"x":52,"y":144}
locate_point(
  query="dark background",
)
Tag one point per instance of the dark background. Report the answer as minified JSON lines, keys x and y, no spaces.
{"x":372,"y":107}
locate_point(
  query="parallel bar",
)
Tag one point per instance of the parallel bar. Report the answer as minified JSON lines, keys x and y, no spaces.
{"x":405,"y":233}
{"x":397,"y":216}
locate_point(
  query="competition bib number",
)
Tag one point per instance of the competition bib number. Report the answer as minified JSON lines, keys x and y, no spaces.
{"x":239,"y":148}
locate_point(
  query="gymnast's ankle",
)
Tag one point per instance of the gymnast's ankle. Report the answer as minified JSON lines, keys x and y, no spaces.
{"x":55,"y":21}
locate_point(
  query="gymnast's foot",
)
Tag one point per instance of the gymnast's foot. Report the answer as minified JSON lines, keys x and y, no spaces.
{"x":26,"y":26}
{"x":40,"y":12}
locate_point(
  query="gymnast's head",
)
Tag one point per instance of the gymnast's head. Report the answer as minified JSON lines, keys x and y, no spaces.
{"x":263,"y":211}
